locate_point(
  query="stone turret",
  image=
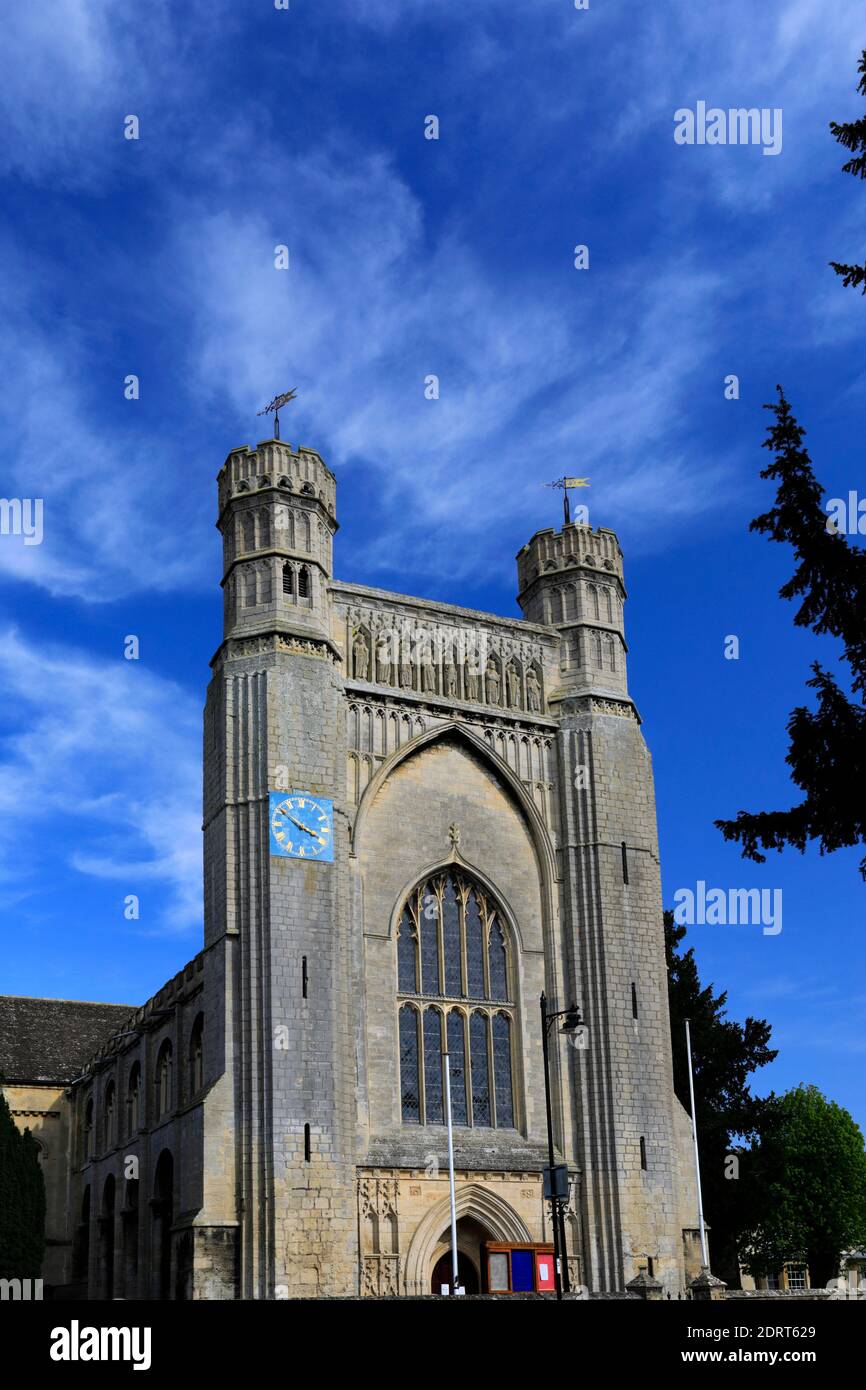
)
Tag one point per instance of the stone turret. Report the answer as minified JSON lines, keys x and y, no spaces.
{"x":572,"y":580}
{"x":277,"y":517}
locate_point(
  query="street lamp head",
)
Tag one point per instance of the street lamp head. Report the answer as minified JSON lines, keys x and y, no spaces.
{"x":572,"y":1020}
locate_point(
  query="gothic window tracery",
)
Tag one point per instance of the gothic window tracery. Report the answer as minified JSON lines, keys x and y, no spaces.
{"x":455,"y":982}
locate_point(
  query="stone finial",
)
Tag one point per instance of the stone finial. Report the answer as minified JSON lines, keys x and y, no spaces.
{"x":645,"y":1286}
{"x":706,"y":1286}
{"x":454,"y":835}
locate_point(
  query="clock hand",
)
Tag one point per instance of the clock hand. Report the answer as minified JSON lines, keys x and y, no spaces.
{"x":305,"y":827}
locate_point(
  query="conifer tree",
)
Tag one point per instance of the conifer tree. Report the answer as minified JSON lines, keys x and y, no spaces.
{"x":22,"y":1201}
{"x":827,"y":751}
{"x":852,"y":134}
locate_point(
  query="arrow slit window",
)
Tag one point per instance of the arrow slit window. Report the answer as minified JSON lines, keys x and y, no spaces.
{"x":456,"y":982}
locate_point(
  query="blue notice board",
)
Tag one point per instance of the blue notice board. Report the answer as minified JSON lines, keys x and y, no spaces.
{"x":522,"y":1271}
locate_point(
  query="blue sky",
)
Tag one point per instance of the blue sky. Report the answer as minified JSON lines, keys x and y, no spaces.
{"x":408,"y":257}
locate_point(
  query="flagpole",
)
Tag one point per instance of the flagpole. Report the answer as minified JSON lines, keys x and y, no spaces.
{"x":705,"y":1259}
{"x":451,"y":1171}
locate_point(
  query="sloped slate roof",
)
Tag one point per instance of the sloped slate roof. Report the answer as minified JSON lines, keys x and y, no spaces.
{"x":52,"y":1039}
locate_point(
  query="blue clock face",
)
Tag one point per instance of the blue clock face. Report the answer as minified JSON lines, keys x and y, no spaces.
{"x":302,"y":826}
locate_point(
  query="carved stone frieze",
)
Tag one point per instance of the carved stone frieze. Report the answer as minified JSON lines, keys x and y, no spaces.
{"x":454,"y":661}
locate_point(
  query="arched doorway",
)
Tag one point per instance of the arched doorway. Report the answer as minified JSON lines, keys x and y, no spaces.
{"x":163,"y":1209}
{"x":482,"y":1215}
{"x":471,"y":1263}
{"x":467,"y":1274}
{"x":106,"y":1240}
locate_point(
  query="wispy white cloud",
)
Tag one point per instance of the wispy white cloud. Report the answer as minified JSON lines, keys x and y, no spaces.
{"x":100,"y":769}
{"x":539,"y":369}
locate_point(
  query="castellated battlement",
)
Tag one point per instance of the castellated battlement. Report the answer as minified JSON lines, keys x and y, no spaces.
{"x":275,"y":464}
{"x":576,"y":546}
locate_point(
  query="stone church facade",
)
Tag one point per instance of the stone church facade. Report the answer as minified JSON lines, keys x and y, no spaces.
{"x":271,"y":1123}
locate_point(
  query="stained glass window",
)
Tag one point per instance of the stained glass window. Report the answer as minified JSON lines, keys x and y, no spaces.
{"x":406,"y":955}
{"x":498,"y":962}
{"x":463,"y":953}
{"x":435,"y":1106}
{"x":409,"y":1074}
{"x":457,"y":1056}
{"x":502,"y":1071}
{"x":474,"y":949}
{"x":480,"y":1070}
{"x":430,"y":942}
{"x":451,"y":941}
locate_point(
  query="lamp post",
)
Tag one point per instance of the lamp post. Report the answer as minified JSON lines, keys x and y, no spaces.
{"x":573,"y":1021}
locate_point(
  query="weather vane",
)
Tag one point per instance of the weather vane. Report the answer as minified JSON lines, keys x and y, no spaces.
{"x":275,"y":406}
{"x":565,"y":484}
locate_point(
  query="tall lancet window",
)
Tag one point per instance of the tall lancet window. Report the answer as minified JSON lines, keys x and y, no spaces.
{"x":456,"y":984}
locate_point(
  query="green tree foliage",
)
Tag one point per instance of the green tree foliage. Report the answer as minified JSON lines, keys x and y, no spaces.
{"x":852,"y":134}
{"x":22,"y":1201}
{"x":724,"y":1055}
{"x":810,"y":1171}
{"x":827,"y":750}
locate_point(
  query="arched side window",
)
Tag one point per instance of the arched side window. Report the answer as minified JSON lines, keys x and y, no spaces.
{"x":162,"y":1081}
{"x":109,"y":1117}
{"x":87,"y":1132}
{"x":455,"y":982}
{"x":288,"y":580}
{"x":303,"y":582}
{"x":133,"y":1100}
{"x":196,"y":1055}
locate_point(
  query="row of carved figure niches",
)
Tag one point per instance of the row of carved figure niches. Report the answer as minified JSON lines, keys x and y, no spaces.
{"x":278,"y":526}
{"x":380,"y":1236}
{"x":264,"y":583}
{"x":377,"y":728}
{"x":433,"y":664}
{"x":276,"y":464}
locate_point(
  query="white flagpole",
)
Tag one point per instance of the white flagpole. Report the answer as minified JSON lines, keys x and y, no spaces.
{"x":451,"y":1171}
{"x":705,"y":1259}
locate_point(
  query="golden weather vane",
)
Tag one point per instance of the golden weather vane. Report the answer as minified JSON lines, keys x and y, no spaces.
{"x":566,"y":484}
{"x":276,"y":405}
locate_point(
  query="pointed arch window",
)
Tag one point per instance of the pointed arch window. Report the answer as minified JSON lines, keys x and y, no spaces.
{"x":133,"y":1100}
{"x":455,"y":981}
{"x":288,"y":580}
{"x":109,"y":1116}
{"x":303,"y":582}
{"x":162,"y":1081}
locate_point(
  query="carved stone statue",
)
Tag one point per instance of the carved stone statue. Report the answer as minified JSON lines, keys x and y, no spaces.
{"x":513,"y":678}
{"x":450,"y":676}
{"x":406,"y":668}
{"x":492,"y":683}
{"x":428,"y":670}
{"x":383,"y":659}
{"x":472,"y":678}
{"x":361,"y":654}
{"x":533,"y":690}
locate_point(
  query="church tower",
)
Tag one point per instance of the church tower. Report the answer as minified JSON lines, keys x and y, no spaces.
{"x":274,"y":725}
{"x":611,"y":911}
